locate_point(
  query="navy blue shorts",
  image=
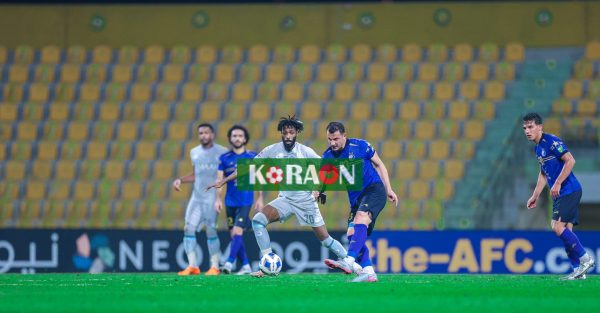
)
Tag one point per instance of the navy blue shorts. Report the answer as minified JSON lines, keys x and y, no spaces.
{"x":371,"y":200}
{"x":239,"y":216}
{"x":567,"y":208}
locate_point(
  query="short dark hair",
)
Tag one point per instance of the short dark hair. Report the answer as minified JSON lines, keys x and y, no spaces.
{"x":532,"y":116}
{"x":336,"y":127}
{"x":290,"y":121}
{"x":212,"y":129}
{"x":240,"y":127}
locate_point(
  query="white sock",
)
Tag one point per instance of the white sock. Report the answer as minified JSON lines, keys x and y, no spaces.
{"x":369,"y":270}
{"x":350,"y":260}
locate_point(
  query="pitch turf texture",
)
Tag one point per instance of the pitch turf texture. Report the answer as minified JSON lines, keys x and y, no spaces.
{"x":296,"y":293}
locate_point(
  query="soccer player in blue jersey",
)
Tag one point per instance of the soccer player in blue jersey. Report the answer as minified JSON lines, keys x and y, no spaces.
{"x":556,"y":165}
{"x":237,"y":202}
{"x":365,"y":205}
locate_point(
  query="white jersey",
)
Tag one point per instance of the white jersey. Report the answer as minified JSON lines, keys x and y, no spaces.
{"x":206,"y":163}
{"x":300,"y":151}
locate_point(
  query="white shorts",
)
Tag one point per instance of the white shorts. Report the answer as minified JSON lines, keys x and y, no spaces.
{"x":307,"y":212}
{"x":200,"y":213}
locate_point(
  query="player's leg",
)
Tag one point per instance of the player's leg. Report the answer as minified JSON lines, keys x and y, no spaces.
{"x":242,"y":222}
{"x":271,"y":212}
{"x":192,"y":220}
{"x":231,"y":254}
{"x":212,"y":238}
{"x":328,"y":242}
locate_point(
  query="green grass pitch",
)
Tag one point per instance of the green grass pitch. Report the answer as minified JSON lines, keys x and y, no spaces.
{"x":296,"y":293}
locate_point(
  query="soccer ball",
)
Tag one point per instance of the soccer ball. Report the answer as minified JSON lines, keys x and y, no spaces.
{"x":270,"y":264}
{"x":274,"y":175}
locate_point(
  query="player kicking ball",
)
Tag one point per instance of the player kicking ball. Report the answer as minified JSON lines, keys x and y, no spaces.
{"x":302,"y":204}
{"x":365,"y":204}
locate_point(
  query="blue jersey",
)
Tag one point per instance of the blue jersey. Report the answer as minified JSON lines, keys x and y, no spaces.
{"x":357,"y":149}
{"x":549,"y":152}
{"x":228,"y":164}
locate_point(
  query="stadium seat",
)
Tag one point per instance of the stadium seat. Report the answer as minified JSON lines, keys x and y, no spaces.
{"x":458,"y":110}
{"x":488,"y":52}
{"x":50,"y":55}
{"x":514,"y":52}
{"x":42,"y":169}
{"x":146,"y":73}
{"x":463,"y":149}
{"x":393,"y":91}
{"x":386,"y":53}
{"x":352,"y":72}
{"x":276,"y":73}
{"x":443,"y":91}
{"x":400,"y":130}
{"x":484,"y":110}
{"x":23,"y":54}
{"x":197,"y":73}
{"x":336,"y":53}
{"x":133,"y":110}
{"x":159,"y":112}
{"x":335,"y":111}
{"x":593,"y":91}
{"x":145,"y":150}
{"x":47,"y":150}
{"x":283,"y":54}
{"x":83,"y":190}
{"x":231,"y":54}
{"x":76,"y":55}
{"x":102,"y":55}
{"x":494,"y":90}
{"x":44,"y":73}
{"x":562,"y":106}
{"x":89,"y":92}
{"x":21,"y":150}
{"x":18,"y":73}
{"x":184,"y":111}
{"x":583,"y":69}
{"x":410,"y":110}
{"x":128,"y":54}
{"x":327,"y":72}
{"x":344,"y":92}
{"x":166,"y":92}
{"x":374,"y":130}
{"x":8,"y":112}
{"x":412,"y":53}
{"x":123,"y":213}
{"x":573,"y":89}
{"x":96,"y":73}
{"x":463,"y":52}
{"x":419,"y":190}
{"x":78,"y":131}
{"x":592,"y":50}
{"x":210,"y":111}
{"x":469,"y":90}
{"x":131,"y":190}
{"x":258,"y":54}
{"x":474,"y":130}
{"x":429,"y":169}
{"x":361,"y":111}
{"x":479,"y":71}
{"x":361,"y":53}
{"x":453,"y":71}
{"x":250,"y":73}
{"x":15,"y":170}
{"x":173,"y":73}
{"x":309,"y":54}
{"x":122,"y":73}
{"x":390,"y":150}
{"x":176,"y":131}
{"x":217,"y":92}
{"x":163,"y":170}
{"x":260,"y":111}
{"x":64,"y":92}
{"x":419,"y":91}
{"x":439,"y":149}
{"x":283,"y":108}
{"x":192,"y":92}
{"x":443,"y":190}
{"x":300,"y":72}
{"x":425,"y":130}
{"x":311,"y":110}
{"x":120,"y":150}
{"x":224,"y":73}
{"x":109,"y":111}
{"x":437,"y":53}
{"x":454,"y":169}
{"x":319,"y":91}
{"x":377,"y":72}
{"x":96,"y":150}
{"x":587,"y":108}
{"x":268,"y":91}
{"x":59,"y":190}
{"x":180,"y":54}
{"x":3,"y":55}
{"x":71,"y":150}
{"x":243,"y":92}
{"x":13,"y":92}
{"x":405,"y":170}
{"x":70,"y":73}
{"x":127,"y":131}
{"x":154,"y":54}
{"x":106,"y":190}
{"x":27,"y":131}
{"x":153,"y":130}
{"x":448,"y":129}
{"x":39,"y":92}
{"x":369,"y":91}
{"x":292,"y":92}
{"x":403,"y":72}
{"x":141,"y":92}
{"x":64,"y":169}
{"x":504,"y":71}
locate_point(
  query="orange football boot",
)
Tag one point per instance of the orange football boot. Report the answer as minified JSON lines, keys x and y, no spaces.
{"x":213,"y":271}
{"x":190,"y":270}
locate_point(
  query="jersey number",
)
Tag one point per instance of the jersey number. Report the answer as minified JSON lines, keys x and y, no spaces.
{"x":309,"y":218}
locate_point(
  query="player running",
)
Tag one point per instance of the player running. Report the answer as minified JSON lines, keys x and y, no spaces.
{"x":365,"y":205}
{"x":237,"y":202}
{"x":302,"y":204}
{"x":201,"y":207}
{"x":556,"y":165}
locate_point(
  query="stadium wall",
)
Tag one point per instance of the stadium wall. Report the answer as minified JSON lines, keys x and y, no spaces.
{"x":534,"y":24}
{"x":478,"y":252}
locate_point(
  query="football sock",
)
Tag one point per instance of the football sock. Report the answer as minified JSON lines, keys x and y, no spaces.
{"x":364,"y":259}
{"x":259,"y":223}
{"x":189,"y":245}
{"x":335,"y":247}
{"x":572,"y":243}
{"x":242,"y":254}
{"x":235,"y":246}
{"x":358,"y":241}
{"x":572,"y":257}
{"x":214,"y":246}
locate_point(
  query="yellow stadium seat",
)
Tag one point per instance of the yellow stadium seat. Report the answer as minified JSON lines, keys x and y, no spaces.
{"x":3,"y":55}
{"x":583,"y":69}
{"x":250,"y":72}
{"x":64,"y":92}
{"x":192,"y":92}
{"x":454,"y":169}
{"x":138,"y":170}
{"x":128,"y":54}
{"x":76,"y":55}
{"x":83,"y":190}
{"x":469,"y":90}
{"x":429,"y":169}
{"x":15,"y":170}
{"x":443,"y":91}
{"x":463,"y":52}
{"x":77,"y":130}
{"x":59,"y":190}
{"x":425,"y":130}
{"x":18,"y":73}
{"x":47,"y":150}
{"x":573,"y":89}
{"x":133,"y":111}
{"x":448,"y":129}
{"x":562,"y":106}
{"x":309,"y":54}
{"x":106,"y":190}
{"x":369,"y":91}
{"x":122,"y":73}
{"x":159,"y":111}
{"x":282,"y":109}
{"x":141,"y":92}
{"x":127,"y":130}
{"x":8,"y":112}
{"x":587,"y":108}
{"x":146,"y":73}
{"x":41,"y":170}
{"x":592,"y":50}
{"x":301,"y":72}
{"x":412,"y":53}
{"x":267,"y":91}
{"x":109,"y":111}
{"x":102,"y":55}
{"x":319,"y":91}
{"x":376,"y":130}
{"x":89,"y":92}
{"x":553,"y":126}
{"x":474,"y":130}
{"x":50,"y":55}
{"x":70,"y":73}
{"x":71,"y":150}
{"x":360,"y":111}
{"x":437,"y":53}
{"x":243,"y":92}
{"x":484,"y":110}
{"x":344,"y":92}
{"x":293,"y":92}
{"x":173,"y":73}
{"x":120,"y":150}
{"x":439,"y":149}
{"x":410,"y":110}
{"x":154,"y":54}
{"x":258,"y":54}
{"x":402,"y":72}
{"x":335,"y":111}
{"x":6,"y":132}
{"x":166,"y":92}
{"x":400,"y":129}
{"x":210,"y":111}
{"x":64,"y":170}
{"x":361,"y":53}
{"x":171,"y":150}
{"x":488,"y":52}
{"x":152,"y":130}
{"x":283,"y":54}
{"x":336,"y":53}
{"x":276,"y":73}
{"x":178,"y":131}
{"x":310,"y":110}
{"x":21,"y":150}
{"x":419,"y":190}
{"x":443,"y":190}
{"x":393,"y":91}
{"x":115,"y":92}
{"x":13,"y":92}
{"x":478,"y":71}
{"x":405,"y":170}
{"x":386,"y":53}
{"x":391,"y":150}
{"x":377,"y":72}
{"x":514,"y":52}
{"x":44,"y":73}
{"x":180,"y":54}
{"x":453,"y":71}
{"x":419,"y":91}
{"x":206,"y":55}
{"x":23,"y":54}
{"x":185,"y":110}
{"x":38,"y":92}
{"x":504,"y":71}
{"x":198,"y":73}
{"x":224,"y":73}
{"x":463,"y":149}
{"x":260,"y":111}
{"x":131,"y":190}
{"x":95,"y":73}
{"x":494,"y":90}
{"x":27,"y":131}
{"x":352,"y":72}
{"x":96,"y":150}
{"x":145,"y":150}
{"x":458,"y":110}
{"x":327,"y":72}
{"x":163,"y":170}
{"x":231,"y":54}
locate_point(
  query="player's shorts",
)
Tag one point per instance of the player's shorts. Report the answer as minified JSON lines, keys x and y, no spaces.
{"x":307,"y":212}
{"x":238,"y":216}
{"x":372,"y":200}
{"x":567,"y":208}
{"x":201,"y":213}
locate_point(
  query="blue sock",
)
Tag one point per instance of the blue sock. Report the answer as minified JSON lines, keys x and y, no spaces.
{"x":572,"y":242}
{"x":572,"y":258}
{"x":358,"y":240}
{"x":364,"y":258}
{"x":242,"y":253}
{"x":236,"y":241}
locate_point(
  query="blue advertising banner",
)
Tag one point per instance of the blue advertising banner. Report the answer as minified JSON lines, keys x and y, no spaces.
{"x":106,"y":250}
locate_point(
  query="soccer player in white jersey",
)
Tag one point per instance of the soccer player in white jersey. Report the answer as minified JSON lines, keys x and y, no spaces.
{"x":303,"y":204}
{"x":201,"y":207}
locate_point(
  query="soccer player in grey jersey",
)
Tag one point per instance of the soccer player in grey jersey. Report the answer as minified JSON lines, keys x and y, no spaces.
{"x":302,"y":204}
{"x":201,"y":207}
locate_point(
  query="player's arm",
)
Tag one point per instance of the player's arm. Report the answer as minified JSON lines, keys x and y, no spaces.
{"x":220,"y":183}
{"x":189,"y":178}
{"x":569,"y":163}
{"x":218,"y":201}
{"x":541,"y":183}
{"x":383,"y":173}
{"x":259,"y":202}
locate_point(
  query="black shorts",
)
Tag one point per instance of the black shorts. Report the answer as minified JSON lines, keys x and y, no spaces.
{"x":239,"y":216}
{"x":372,"y":200}
{"x":567,"y":208}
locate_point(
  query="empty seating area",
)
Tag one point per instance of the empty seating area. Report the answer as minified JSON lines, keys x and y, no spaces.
{"x":93,"y":137}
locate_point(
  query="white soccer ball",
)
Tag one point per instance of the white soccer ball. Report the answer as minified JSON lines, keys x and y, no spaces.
{"x":274,"y":175}
{"x":270,"y":264}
